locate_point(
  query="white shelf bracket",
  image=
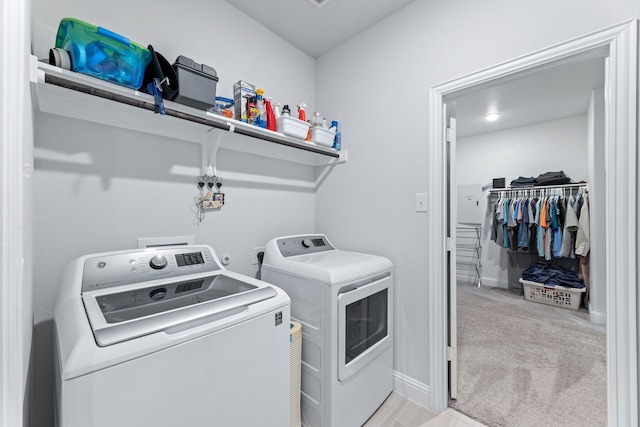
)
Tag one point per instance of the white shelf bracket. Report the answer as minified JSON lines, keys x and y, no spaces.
{"x":328,"y":167}
{"x":210,"y":149}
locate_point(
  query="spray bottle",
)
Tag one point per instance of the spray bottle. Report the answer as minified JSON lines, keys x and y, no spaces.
{"x":271,"y":117}
{"x":302,"y":115}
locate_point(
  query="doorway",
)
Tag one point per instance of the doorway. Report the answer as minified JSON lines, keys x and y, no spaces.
{"x":620,"y":43}
{"x":543,"y":356}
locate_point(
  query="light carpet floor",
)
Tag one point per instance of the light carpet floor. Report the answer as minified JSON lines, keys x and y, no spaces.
{"x":522,"y":363}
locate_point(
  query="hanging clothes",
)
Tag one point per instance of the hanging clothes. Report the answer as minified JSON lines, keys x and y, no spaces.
{"x":570,"y":227}
{"x":541,"y":225}
{"x":556,"y":227}
{"x":523,"y":225}
{"x":546,"y":225}
{"x":533,"y":223}
{"x":582,"y":235}
{"x":548,"y":232}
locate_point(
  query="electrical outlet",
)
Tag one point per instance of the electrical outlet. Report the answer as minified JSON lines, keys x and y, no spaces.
{"x":256,"y":251}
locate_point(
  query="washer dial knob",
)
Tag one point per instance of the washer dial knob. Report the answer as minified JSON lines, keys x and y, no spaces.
{"x":158,"y":293}
{"x":158,"y":262}
{"x":306,"y":243}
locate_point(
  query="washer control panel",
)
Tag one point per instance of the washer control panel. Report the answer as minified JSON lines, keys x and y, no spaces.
{"x":300,"y":245}
{"x":122,"y":268}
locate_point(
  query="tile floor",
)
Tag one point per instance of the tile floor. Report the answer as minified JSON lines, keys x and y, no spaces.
{"x":398,"y":411}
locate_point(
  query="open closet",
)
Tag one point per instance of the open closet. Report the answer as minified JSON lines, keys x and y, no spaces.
{"x":553,"y":124}
{"x":566,"y":137}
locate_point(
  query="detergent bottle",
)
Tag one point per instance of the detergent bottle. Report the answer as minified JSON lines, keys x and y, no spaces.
{"x":252,"y":110}
{"x":337,"y":140}
{"x":271,"y":117}
{"x":261,"y":120}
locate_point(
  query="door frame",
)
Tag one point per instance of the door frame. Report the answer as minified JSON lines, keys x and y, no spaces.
{"x":620,"y":246}
{"x":15,"y":317}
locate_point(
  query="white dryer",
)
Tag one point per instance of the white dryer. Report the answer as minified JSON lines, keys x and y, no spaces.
{"x":344,"y":301}
{"x":168,"y":337}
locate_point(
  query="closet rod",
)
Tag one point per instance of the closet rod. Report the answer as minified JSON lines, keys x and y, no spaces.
{"x":539,"y":187}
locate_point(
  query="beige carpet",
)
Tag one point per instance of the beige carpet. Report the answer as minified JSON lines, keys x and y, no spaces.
{"x":522,"y":363}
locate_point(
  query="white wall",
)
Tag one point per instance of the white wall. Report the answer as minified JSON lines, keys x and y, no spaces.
{"x":377,"y":85}
{"x":98,"y":188}
{"x":528,"y":151}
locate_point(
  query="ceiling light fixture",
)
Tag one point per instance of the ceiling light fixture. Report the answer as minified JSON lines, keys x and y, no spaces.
{"x":492,"y":117}
{"x":319,"y":3}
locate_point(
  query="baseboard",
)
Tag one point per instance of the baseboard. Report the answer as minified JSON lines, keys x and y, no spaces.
{"x":597,"y":317}
{"x":466,"y":278}
{"x":412,"y":389}
{"x":494,"y":283}
{"x":485,"y":281}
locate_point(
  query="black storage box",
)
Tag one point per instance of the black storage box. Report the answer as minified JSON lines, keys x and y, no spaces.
{"x":196,"y":83}
{"x":498,"y":183}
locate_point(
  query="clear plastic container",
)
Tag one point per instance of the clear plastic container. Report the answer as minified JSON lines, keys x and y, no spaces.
{"x":101,"y":53}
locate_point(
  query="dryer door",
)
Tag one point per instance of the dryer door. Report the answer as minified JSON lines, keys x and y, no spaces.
{"x":364,"y":326}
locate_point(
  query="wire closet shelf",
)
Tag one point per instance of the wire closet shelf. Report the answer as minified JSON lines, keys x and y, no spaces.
{"x":539,"y":191}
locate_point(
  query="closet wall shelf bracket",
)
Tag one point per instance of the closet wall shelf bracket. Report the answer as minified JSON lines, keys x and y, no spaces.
{"x":75,"y":95}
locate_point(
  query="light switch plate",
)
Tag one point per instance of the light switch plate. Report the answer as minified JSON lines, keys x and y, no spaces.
{"x":422,"y":202}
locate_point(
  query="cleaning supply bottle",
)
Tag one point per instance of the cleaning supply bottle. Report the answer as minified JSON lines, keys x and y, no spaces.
{"x":337,"y":140}
{"x":316,"y":120}
{"x":262,"y":112}
{"x":271,"y":117}
{"x":252,"y":110}
{"x":302,"y":115}
{"x":277,"y":110}
{"x":286,"y":111}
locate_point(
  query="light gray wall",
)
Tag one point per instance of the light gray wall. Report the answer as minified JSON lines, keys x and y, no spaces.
{"x":377,"y":85}
{"x":99,"y":188}
{"x":559,"y":145}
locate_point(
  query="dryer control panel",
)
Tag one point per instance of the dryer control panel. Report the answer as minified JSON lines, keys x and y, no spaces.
{"x":300,"y":245}
{"x":123,"y":268}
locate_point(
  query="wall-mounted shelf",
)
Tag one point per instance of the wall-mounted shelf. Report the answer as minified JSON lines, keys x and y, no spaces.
{"x":540,"y":189}
{"x":66,"y":93}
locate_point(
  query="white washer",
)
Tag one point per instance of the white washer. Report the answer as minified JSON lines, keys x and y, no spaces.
{"x":344,"y":302}
{"x":168,"y":337}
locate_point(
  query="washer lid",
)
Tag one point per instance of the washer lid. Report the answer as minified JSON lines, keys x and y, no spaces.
{"x":330,"y":267}
{"x":123,"y":313}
